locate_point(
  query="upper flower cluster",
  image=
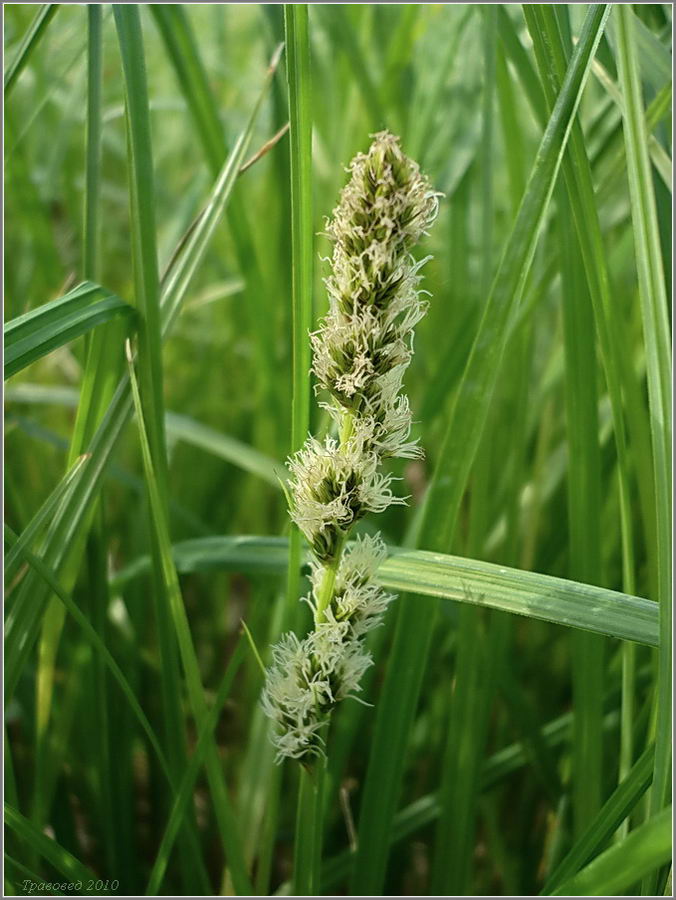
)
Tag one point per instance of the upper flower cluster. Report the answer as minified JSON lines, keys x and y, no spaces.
{"x":365,"y":342}
{"x":360,"y":353}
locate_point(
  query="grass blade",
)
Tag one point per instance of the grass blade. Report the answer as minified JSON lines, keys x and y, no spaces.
{"x":186,"y":787}
{"x":36,"y":333}
{"x":616,"y":870}
{"x":63,"y":861}
{"x":653,"y":298}
{"x":146,"y":281}
{"x":584,"y":465}
{"x":397,"y":703}
{"x":144,"y":249}
{"x":618,"y":806}
{"x":222,"y":805}
{"x":300,"y":135}
{"x":455,"y":578}
{"x":307,"y":838}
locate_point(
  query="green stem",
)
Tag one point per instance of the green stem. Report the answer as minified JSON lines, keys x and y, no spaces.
{"x":346,"y":428}
{"x":325,"y":592}
{"x":308,"y":843}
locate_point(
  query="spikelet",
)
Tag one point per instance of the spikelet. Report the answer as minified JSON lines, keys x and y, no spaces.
{"x":360,"y":353}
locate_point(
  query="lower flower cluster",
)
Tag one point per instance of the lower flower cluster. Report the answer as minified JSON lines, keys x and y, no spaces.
{"x":308,"y":677}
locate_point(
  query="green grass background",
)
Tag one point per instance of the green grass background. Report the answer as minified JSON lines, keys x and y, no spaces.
{"x":503,"y":754}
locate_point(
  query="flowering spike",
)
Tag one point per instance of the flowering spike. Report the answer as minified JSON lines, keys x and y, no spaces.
{"x":360,"y":353}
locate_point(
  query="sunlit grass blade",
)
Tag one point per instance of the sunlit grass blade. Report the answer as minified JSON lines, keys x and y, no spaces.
{"x":653,"y":298}
{"x":222,"y":804}
{"x":616,"y":870}
{"x":43,"y":17}
{"x":476,"y":582}
{"x":584,"y":473}
{"x":53,"y":324}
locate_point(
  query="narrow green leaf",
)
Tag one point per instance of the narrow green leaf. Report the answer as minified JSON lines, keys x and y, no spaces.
{"x":397,"y":703}
{"x":300,"y":134}
{"x":63,"y":861}
{"x":222,"y":805}
{"x":38,"y":332}
{"x":652,"y":293}
{"x":143,"y":233}
{"x":151,"y":378}
{"x":475,"y":582}
{"x":35,"y":32}
{"x":185,"y":790}
{"x":618,"y":806}
{"x":584,"y":458}
{"x":616,"y":870}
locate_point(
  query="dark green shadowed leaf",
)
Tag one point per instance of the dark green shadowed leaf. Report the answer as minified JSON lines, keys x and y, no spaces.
{"x":64,"y":862}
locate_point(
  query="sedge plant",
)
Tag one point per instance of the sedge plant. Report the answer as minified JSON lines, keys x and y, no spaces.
{"x":360,"y":354}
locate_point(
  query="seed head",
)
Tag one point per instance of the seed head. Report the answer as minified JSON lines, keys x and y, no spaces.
{"x":361,"y":351}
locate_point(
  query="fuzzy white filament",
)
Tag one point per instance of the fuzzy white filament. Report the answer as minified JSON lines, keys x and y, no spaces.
{"x":360,"y":353}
